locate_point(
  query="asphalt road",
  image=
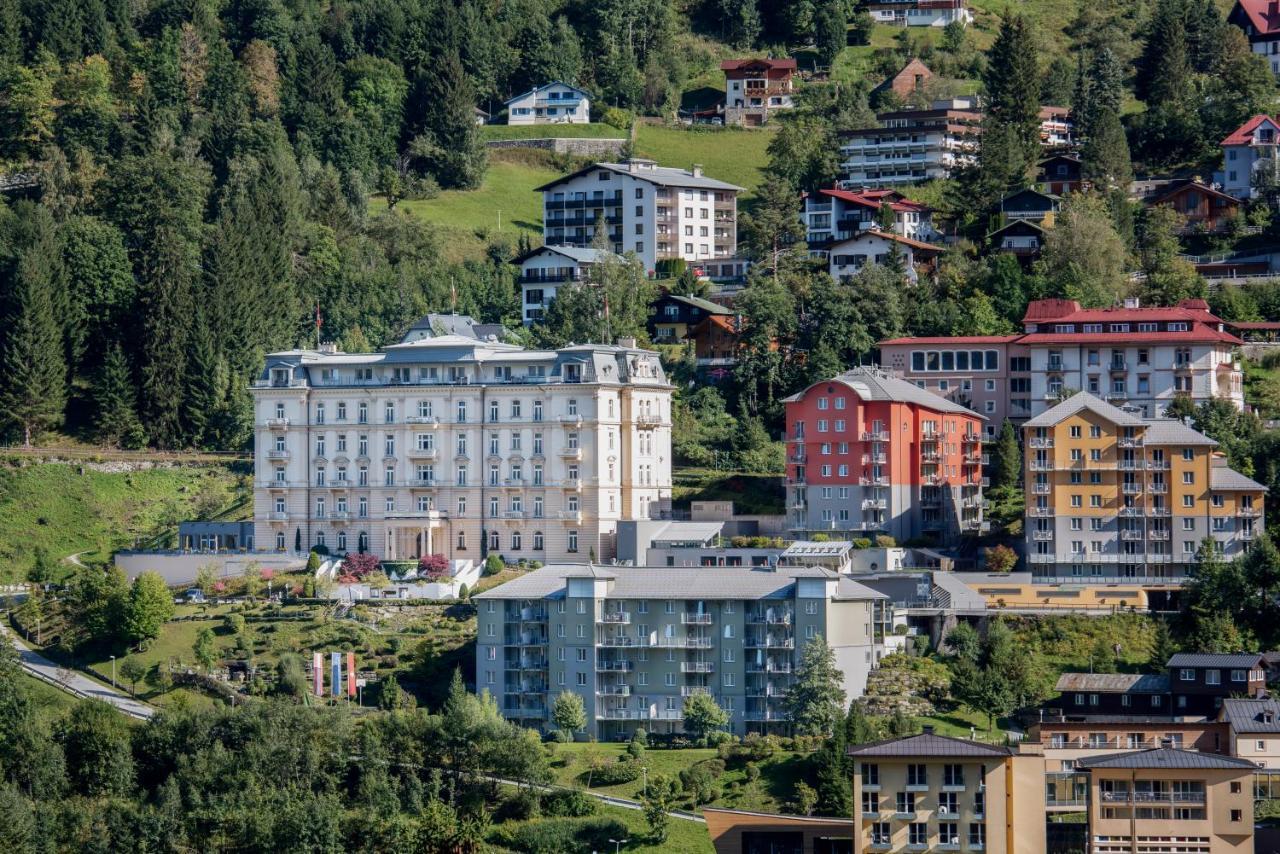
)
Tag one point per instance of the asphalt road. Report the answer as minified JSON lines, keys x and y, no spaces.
{"x":73,"y":681}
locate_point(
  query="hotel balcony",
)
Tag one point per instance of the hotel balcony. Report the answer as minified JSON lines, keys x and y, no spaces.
{"x":615,"y":617}
{"x":277,"y":423}
{"x":277,"y":454}
{"x":1040,"y":443}
{"x":614,"y":690}
{"x":876,"y":436}
{"x":692,"y":619}
{"x":1042,"y":536}
{"x":697,"y":667}
{"x":694,"y":690}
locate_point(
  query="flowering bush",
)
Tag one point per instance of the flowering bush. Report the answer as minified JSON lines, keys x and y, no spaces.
{"x":433,"y":567}
{"x":359,"y":565}
{"x":267,"y":574}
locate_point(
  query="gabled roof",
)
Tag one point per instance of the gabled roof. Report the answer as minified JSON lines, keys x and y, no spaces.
{"x":771,"y":64}
{"x":875,"y":384}
{"x":912,"y":68}
{"x":697,"y":302}
{"x":1263,"y":14}
{"x":729,"y":322}
{"x":875,"y":198}
{"x":927,"y":744}
{"x":1166,"y":757}
{"x":1181,"y":185}
{"x":1252,"y":716}
{"x":1222,"y":476}
{"x":583,"y":92}
{"x":1243,"y":135}
{"x":1024,"y":223}
{"x":663,"y":176}
{"x":1238,"y":660}
{"x":1081,"y":401}
{"x":580,"y":254}
{"x":1114,"y":683}
{"x":1168,"y":431}
{"x":1072,"y":158}
{"x":928,"y":249}
{"x":1031,"y":191}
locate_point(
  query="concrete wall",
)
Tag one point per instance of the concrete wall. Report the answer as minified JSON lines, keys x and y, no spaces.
{"x":182,"y":567}
{"x":564,"y":145}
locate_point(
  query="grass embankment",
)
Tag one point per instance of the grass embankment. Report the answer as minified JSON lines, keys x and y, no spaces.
{"x":770,"y":793}
{"x":683,"y":836}
{"x":751,"y":494}
{"x":594,"y":130}
{"x":67,"y":509}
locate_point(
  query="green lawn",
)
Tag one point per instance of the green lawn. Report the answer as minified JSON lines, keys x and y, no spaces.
{"x":684,"y":837}
{"x":770,"y":793}
{"x":595,"y":130}
{"x":63,"y":510}
{"x":736,"y":155}
{"x":49,"y":702}
{"x":750,"y":493}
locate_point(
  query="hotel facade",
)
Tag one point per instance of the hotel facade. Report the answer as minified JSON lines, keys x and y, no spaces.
{"x":456,"y":446}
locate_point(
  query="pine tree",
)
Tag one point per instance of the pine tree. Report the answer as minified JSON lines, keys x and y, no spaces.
{"x":450,"y":146}
{"x":116,"y":422}
{"x":816,"y":699}
{"x":201,"y":402}
{"x":1007,"y":459}
{"x":33,"y":369}
{"x":1105,"y":158}
{"x":830,"y":30}
{"x":1012,"y":80}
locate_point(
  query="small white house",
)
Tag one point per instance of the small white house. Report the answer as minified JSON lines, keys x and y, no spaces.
{"x":847,"y":257}
{"x":919,"y":13}
{"x":550,"y":104}
{"x":543,"y":269}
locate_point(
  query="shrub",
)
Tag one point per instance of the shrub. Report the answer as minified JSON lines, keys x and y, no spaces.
{"x":715,"y":738}
{"x":568,"y":803}
{"x":861,"y":543}
{"x":359,"y":565}
{"x":884,"y":541}
{"x":493,"y":564}
{"x":464,"y":591}
{"x":1001,"y":559}
{"x":901,"y":629}
{"x":321,"y":550}
{"x":523,"y":805}
{"x":617,"y":117}
{"x":752,"y":771}
{"x":616,"y":773}
{"x":433,"y":567}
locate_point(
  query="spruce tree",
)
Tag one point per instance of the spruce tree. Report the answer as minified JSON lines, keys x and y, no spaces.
{"x":1105,"y":158}
{"x":1007,"y":459}
{"x":830,"y":31}
{"x":450,"y":145}
{"x":33,"y":368}
{"x":1012,"y":81}
{"x":116,"y":421}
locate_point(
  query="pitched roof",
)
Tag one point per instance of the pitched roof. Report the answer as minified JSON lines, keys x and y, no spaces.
{"x":1222,"y":476}
{"x":548,"y":85}
{"x":1263,"y":14}
{"x":914,"y":67}
{"x":918,"y":245}
{"x":1252,"y":715}
{"x":663,"y":176}
{"x":1080,"y":401}
{"x":874,"y":199}
{"x":1246,"y":660}
{"x":1023,"y":223}
{"x":1165,"y":757}
{"x":875,"y":384}
{"x":771,"y":64}
{"x":1180,"y":185}
{"x":1167,"y":431}
{"x":957,"y":340}
{"x":1114,"y":683}
{"x":1069,"y":311}
{"x":581,"y":254}
{"x":926,"y":744}
{"x":1243,"y":135}
{"x":698,"y":302}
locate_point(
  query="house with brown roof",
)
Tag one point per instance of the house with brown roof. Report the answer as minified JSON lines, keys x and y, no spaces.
{"x":1203,"y":207}
{"x":910,"y":79}
{"x":754,"y":89}
{"x":1062,"y":174}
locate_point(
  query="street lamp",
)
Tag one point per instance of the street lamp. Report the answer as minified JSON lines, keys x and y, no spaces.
{"x":113,"y":671}
{"x":644,"y":769}
{"x":618,"y":843}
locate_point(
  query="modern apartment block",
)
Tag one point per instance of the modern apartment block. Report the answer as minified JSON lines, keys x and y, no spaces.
{"x":547,"y":268}
{"x":451,"y":445}
{"x":1112,"y":495}
{"x":655,"y":211}
{"x":833,"y":215}
{"x":1169,"y":801}
{"x":929,"y":792}
{"x":911,"y":146}
{"x":755,"y":89}
{"x":870,"y":453}
{"x":1134,"y":356}
{"x":635,"y":641}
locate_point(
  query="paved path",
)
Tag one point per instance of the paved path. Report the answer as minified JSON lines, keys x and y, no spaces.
{"x":73,"y":681}
{"x":612,"y":800}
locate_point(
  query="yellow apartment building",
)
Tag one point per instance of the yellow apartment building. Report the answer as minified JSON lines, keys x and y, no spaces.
{"x":1113,"y":497}
{"x":1169,"y":801}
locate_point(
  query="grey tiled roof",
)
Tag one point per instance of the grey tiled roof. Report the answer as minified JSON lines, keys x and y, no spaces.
{"x":875,"y":384}
{"x":1166,"y":431}
{"x":1165,"y":757}
{"x":1138,"y":683}
{"x":664,"y":176}
{"x":1084,"y":400}
{"x":1222,"y":476}
{"x":1208,"y":659}
{"x":1250,"y":715}
{"x":677,"y":582}
{"x":926,"y":744}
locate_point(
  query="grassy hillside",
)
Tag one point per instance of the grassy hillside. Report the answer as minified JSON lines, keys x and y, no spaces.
{"x":595,"y":130}
{"x":735,"y":155}
{"x":65,"y":509}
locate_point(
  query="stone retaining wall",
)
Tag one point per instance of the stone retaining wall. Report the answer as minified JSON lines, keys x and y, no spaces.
{"x":581,"y":147}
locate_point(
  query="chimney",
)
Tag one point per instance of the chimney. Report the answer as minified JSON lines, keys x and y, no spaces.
{"x":627,"y":343}
{"x":329,"y":347}
{"x":697,"y":170}
{"x":1131,"y":302}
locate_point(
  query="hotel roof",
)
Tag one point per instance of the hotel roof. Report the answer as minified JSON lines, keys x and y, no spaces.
{"x":874,"y":384}
{"x":1165,"y":757}
{"x":927,"y":744}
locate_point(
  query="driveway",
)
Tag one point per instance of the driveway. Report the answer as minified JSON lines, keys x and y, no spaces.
{"x":73,"y":681}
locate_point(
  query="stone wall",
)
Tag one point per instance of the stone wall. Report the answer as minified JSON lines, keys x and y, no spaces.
{"x":579,"y":147}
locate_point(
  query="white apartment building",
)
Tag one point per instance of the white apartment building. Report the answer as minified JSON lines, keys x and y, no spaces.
{"x":456,"y":446}
{"x":544,"y":269}
{"x":831,"y":215}
{"x":655,"y":211}
{"x":912,"y":145}
{"x":1249,"y":147}
{"x":551,"y":103}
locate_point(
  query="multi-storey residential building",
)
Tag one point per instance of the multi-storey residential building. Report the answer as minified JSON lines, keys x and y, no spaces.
{"x":655,"y":211}
{"x":1193,"y":685}
{"x":834,"y":215}
{"x":546,"y":268}
{"x":455,"y":446}
{"x":634,"y":642}
{"x":919,"y":13}
{"x":1142,"y":357}
{"x":1057,"y":130}
{"x":1253,"y":728}
{"x":549,"y":104}
{"x":1169,"y":801}
{"x":755,"y":89}
{"x":912,"y":145}
{"x":989,"y":374}
{"x":867,"y":452}
{"x":1260,"y":20}
{"x":1114,"y":495}
{"x":1248,"y":147}
{"x":933,"y":793}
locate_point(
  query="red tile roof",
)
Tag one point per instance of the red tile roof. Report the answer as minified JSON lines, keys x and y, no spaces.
{"x":1263,"y":14}
{"x":1243,"y":135}
{"x":1200,"y":334}
{"x":956,"y":340}
{"x":875,"y":198}
{"x":1069,"y":311}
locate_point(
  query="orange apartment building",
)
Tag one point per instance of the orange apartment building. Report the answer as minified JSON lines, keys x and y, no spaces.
{"x":1113,"y":496}
{"x":869,"y":453}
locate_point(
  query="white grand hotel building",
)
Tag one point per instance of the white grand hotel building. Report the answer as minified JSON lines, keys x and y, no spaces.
{"x":463,"y":447}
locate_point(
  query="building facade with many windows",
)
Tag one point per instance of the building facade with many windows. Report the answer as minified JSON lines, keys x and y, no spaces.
{"x":868,"y":452}
{"x":455,"y":446}
{"x":1112,"y":495}
{"x":634,"y":642}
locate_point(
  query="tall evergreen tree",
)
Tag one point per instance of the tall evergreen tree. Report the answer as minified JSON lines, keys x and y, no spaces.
{"x":1008,"y":459}
{"x":449,"y":145}
{"x":830,"y":30}
{"x":116,"y":419}
{"x":1012,"y":82}
{"x":1105,"y":157}
{"x":816,"y":700}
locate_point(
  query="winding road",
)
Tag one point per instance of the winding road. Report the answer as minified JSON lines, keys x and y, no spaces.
{"x":73,"y":681}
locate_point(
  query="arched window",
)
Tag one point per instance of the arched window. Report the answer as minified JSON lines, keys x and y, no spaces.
{"x":537,"y":541}
{"x":362,"y":541}
{"x":494,"y":542}
{"x":279,"y":541}
{"x":462,"y":541}
{"x":342,"y":541}
{"x":515,"y":541}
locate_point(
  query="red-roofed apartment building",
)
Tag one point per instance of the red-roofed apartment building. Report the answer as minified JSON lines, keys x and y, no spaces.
{"x":755,"y":88}
{"x":1129,"y":355}
{"x":872,"y":454}
{"x":1253,"y":141}
{"x":1260,"y":20}
{"x":832,"y":215}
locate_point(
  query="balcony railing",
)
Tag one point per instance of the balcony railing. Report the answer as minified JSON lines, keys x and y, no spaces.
{"x":615,"y":618}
